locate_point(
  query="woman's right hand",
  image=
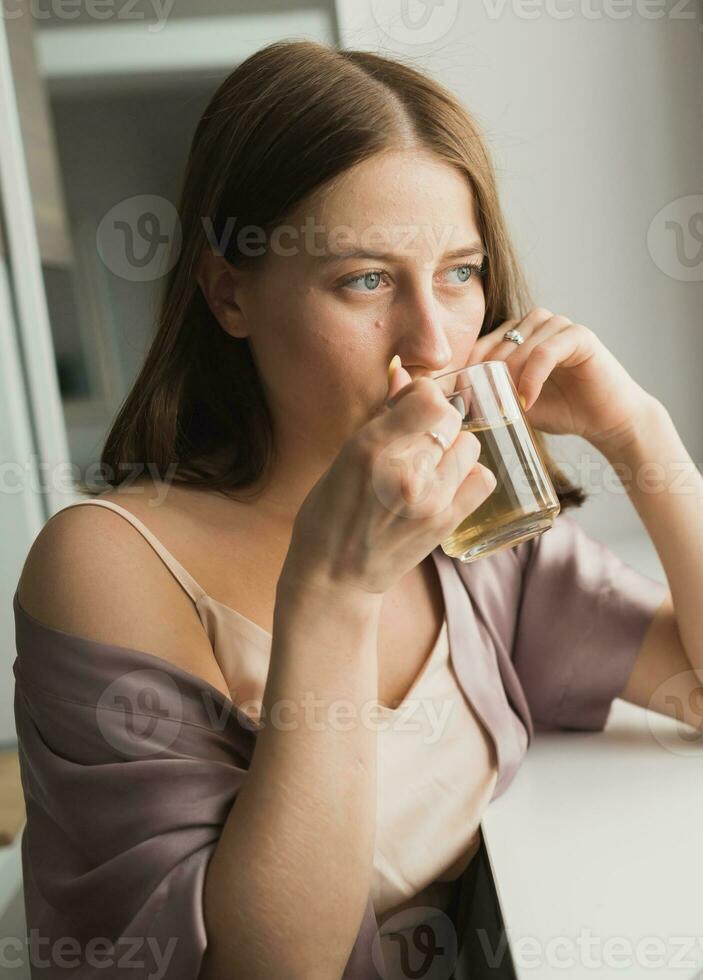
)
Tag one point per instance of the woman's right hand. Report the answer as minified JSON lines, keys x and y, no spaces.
{"x":391,"y":495}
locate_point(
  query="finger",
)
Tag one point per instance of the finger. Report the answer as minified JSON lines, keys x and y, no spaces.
{"x":458,"y":460}
{"x":473,"y":492}
{"x":409,"y":424}
{"x":465,"y":481}
{"x":497,"y":348}
{"x":483,"y":344}
{"x":398,"y":378}
{"x":435,"y":474}
{"x":517,"y":355}
{"x":563,"y":347}
{"x":432,"y":484}
{"x":419,"y":422}
{"x":427,"y":402}
{"x":488,"y":347}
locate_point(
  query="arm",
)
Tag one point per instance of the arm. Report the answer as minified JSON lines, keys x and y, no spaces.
{"x":289,"y":880}
{"x":289,"y":876}
{"x":666,"y":489}
{"x":571,"y":383}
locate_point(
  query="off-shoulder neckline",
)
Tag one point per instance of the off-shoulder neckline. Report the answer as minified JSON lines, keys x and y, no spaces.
{"x":160,"y":662}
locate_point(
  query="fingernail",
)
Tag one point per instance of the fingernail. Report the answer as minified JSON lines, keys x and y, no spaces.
{"x":523,"y":401}
{"x":395,"y":363}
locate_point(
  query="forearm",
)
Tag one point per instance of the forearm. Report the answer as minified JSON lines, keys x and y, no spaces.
{"x":666,"y":489}
{"x":288,"y":884}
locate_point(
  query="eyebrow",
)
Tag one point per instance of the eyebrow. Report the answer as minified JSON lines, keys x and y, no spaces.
{"x":474,"y":248}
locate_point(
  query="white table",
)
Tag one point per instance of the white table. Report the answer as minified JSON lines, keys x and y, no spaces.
{"x":599,"y":841}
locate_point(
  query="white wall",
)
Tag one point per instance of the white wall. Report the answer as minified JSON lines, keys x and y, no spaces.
{"x":595,"y":124}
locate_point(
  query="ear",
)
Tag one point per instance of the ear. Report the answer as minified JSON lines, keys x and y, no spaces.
{"x":221,"y":283}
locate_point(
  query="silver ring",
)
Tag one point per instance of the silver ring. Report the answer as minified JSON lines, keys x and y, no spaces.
{"x":515,"y":336}
{"x":440,"y":438}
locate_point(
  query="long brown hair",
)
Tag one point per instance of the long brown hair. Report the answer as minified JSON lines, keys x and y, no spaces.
{"x":289,"y":119}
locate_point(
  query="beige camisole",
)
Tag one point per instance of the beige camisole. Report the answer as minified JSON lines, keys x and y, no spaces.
{"x":436,"y":764}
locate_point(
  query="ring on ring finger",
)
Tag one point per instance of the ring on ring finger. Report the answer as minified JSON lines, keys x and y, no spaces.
{"x":514,"y":336}
{"x":440,"y":442}
{"x":440,"y":439}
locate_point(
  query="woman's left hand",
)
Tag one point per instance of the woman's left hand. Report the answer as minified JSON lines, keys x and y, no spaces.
{"x":570,"y":381}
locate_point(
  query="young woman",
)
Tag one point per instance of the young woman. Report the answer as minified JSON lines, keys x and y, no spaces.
{"x":265,"y":542}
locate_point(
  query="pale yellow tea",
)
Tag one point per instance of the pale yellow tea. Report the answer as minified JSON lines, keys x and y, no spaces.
{"x":519,"y":507}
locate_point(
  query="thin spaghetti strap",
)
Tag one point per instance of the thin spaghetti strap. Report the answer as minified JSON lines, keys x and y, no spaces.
{"x":185,"y":579}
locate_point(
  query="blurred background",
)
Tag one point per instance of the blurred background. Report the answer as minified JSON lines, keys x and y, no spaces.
{"x":593,"y":110}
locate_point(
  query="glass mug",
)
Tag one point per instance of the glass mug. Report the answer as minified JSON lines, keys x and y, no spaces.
{"x":523,"y":503}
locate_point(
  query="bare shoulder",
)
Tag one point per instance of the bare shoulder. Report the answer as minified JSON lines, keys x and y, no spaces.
{"x":91,"y":573}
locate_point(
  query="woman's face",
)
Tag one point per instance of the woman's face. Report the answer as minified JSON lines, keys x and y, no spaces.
{"x":323,"y":326}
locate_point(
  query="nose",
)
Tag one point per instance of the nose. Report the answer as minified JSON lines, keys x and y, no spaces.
{"x":422,"y":339}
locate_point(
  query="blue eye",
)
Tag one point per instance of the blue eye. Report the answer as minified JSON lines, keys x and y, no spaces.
{"x":469,"y":269}
{"x":462,"y":268}
{"x":365,"y":277}
{"x":373,"y":278}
